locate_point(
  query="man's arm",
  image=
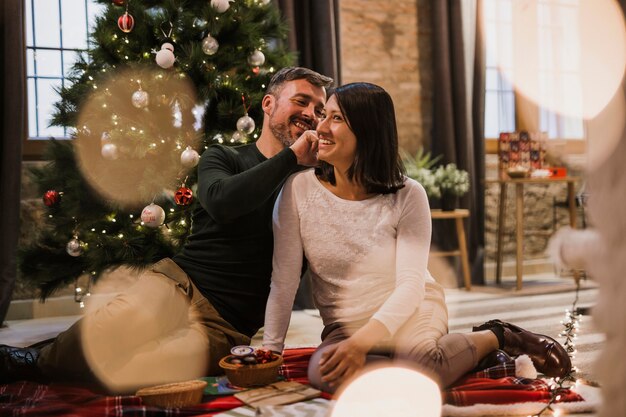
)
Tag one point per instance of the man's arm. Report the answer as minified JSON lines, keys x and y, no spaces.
{"x":226,"y":194}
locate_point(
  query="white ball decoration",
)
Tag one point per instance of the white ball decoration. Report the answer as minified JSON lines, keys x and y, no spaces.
{"x":165,"y":57}
{"x":245,"y":124}
{"x":210,"y":45}
{"x":109,"y":151}
{"x":140,"y":99}
{"x":153,"y":215}
{"x":189,"y":158}
{"x":221,"y":5}
{"x":265,"y":2}
{"x":238,"y":137}
{"x":256,"y":58}
{"x":74,"y":247}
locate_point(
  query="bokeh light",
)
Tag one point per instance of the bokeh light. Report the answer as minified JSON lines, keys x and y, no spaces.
{"x":389,"y":391}
{"x":131,"y":131}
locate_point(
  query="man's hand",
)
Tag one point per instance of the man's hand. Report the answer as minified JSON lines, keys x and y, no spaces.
{"x":305,"y":148}
{"x":341,"y":361}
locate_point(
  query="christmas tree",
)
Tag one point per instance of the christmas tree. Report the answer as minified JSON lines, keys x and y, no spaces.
{"x":164,"y":80}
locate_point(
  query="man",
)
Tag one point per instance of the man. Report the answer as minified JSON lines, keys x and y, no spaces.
{"x":184,"y":314}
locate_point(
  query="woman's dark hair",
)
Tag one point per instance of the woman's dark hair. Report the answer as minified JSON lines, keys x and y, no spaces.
{"x":369,"y":113}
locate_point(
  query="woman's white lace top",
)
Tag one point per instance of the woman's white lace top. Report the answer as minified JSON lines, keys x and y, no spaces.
{"x":368,"y":259}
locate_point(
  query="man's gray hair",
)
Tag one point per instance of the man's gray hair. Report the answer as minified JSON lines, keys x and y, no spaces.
{"x":296,"y":73}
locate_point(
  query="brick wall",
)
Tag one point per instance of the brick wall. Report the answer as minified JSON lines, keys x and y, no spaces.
{"x":384,"y":43}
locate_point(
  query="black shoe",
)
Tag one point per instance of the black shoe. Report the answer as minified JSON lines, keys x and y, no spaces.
{"x":17,"y":364}
{"x":548,"y":356}
{"x":495,"y":358}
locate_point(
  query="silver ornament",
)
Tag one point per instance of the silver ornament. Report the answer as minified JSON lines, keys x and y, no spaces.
{"x":153,"y":215}
{"x":165,"y":57}
{"x":220,"y":5}
{"x":140,"y":99}
{"x":210,"y":45}
{"x":256,"y":58}
{"x":74,"y":247}
{"x":238,"y":137}
{"x":245,"y":124}
{"x":189,"y":158}
{"x":105,"y":137}
{"x":109,"y":151}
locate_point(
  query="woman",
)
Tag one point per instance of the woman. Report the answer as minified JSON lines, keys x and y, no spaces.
{"x":365,"y":230}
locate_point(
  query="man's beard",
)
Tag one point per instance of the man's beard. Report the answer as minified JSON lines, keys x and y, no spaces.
{"x":282,"y":133}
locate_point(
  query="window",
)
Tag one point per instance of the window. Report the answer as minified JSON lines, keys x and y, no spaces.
{"x":552,"y":68}
{"x":56,"y":32}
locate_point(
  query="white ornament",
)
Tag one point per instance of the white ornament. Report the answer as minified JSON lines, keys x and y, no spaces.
{"x":210,"y":45}
{"x":221,"y":5}
{"x":238,"y":137}
{"x":245,"y":124}
{"x":265,"y":2}
{"x":256,"y":58}
{"x":165,"y":57}
{"x":153,"y":215}
{"x":74,"y":247}
{"x":109,"y":151}
{"x":189,"y":158}
{"x":140,"y":99}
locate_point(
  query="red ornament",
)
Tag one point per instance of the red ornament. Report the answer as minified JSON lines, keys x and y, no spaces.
{"x":51,"y":198}
{"x":183,"y":196}
{"x":256,"y":70}
{"x":119,"y":2}
{"x":126,"y":22}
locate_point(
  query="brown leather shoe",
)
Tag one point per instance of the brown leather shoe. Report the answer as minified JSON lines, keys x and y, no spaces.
{"x":17,"y":364}
{"x":548,"y":356}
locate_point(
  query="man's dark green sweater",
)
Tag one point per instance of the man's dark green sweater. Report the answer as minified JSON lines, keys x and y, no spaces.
{"x":228,"y":254}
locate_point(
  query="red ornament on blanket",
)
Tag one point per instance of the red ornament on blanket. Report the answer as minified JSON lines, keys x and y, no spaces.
{"x":51,"y":198}
{"x":183,"y":196}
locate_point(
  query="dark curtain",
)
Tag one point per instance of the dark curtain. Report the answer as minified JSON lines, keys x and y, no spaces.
{"x":314,"y":34}
{"x":457,"y":133}
{"x":314,"y":37}
{"x":12,"y":125}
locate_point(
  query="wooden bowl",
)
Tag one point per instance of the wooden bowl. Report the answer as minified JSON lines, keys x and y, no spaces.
{"x":175,"y":395}
{"x":247,"y":376}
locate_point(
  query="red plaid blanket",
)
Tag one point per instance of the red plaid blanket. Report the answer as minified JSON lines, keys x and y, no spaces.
{"x":32,"y":399}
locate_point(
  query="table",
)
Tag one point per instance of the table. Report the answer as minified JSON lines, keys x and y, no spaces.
{"x":519,"y":215}
{"x":458,"y":215}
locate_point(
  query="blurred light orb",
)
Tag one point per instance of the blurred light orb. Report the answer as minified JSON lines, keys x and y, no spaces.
{"x":590,"y":45}
{"x":389,"y":391}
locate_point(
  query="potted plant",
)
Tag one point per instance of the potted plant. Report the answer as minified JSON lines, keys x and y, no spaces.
{"x":419,"y":167}
{"x":453,"y":183}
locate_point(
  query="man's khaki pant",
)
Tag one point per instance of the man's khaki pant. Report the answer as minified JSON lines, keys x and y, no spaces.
{"x":160,"y":330}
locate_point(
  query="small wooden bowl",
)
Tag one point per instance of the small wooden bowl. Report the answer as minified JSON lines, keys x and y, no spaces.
{"x":247,"y":376}
{"x":175,"y":395}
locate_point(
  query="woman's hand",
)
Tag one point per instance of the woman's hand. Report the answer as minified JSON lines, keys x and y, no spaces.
{"x":341,"y":361}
